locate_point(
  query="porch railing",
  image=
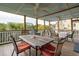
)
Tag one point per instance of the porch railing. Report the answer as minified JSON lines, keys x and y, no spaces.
{"x":5,"y":35}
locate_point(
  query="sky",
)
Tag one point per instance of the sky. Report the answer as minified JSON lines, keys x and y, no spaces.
{"x":6,"y":17}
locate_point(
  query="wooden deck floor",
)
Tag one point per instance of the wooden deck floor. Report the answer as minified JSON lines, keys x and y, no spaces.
{"x":6,"y":50}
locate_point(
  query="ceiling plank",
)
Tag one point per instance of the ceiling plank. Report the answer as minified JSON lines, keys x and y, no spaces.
{"x":58,"y":11}
{"x":18,"y":10}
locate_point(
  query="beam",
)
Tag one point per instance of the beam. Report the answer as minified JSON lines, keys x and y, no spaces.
{"x":75,"y":20}
{"x":58,"y":11}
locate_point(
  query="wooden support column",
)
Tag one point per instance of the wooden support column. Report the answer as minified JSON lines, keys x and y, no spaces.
{"x":36,"y":24}
{"x":71,"y":24}
{"x":25,"y":22}
{"x":58,"y":24}
{"x":44,"y":26}
{"x":49,"y":24}
{"x":24,"y":30}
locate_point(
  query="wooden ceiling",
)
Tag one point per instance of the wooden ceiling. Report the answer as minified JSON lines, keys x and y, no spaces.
{"x":47,"y":11}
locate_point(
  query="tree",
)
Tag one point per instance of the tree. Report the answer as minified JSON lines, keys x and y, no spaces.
{"x":15,"y":26}
{"x":19,"y":26}
{"x":2,"y":27}
{"x":41,"y":27}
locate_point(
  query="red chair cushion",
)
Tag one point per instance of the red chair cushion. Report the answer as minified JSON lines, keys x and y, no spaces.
{"x":23,"y":46}
{"x":49,"y":47}
{"x":47,"y":53}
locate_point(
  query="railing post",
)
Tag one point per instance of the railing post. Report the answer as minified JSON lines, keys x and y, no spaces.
{"x":4,"y":36}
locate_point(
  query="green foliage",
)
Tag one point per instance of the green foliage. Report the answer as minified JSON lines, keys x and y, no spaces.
{"x":15,"y":26}
{"x":20,"y":26}
{"x":41,"y":27}
{"x":29,"y":26}
{"x":2,"y":27}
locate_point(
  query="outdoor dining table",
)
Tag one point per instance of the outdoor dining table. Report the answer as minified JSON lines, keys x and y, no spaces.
{"x":36,"y":41}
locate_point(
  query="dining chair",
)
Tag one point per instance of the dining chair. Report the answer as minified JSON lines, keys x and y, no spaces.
{"x":55,"y":51}
{"x":45,"y":33}
{"x":48,"y":46}
{"x":21,"y":47}
{"x":71,"y":36}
